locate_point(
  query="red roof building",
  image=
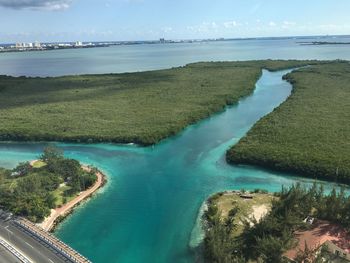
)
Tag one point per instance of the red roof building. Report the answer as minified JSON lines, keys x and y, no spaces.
{"x":321,"y":233}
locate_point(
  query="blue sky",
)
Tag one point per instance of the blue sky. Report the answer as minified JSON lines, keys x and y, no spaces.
{"x":91,"y":20}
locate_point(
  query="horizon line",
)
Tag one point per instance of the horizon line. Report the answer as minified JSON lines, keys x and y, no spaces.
{"x":184,"y":39}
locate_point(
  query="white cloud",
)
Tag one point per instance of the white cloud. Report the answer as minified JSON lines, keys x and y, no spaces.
{"x":213,"y":25}
{"x":36,"y":4}
{"x":204,"y":27}
{"x":230,"y":24}
{"x":288,"y":23}
{"x":272,"y":23}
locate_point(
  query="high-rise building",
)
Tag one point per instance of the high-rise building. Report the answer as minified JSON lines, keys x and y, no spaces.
{"x":37,"y":44}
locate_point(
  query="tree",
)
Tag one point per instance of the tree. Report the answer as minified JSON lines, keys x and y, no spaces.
{"x":51,"y":153}
{"x":51,"y":200}
{"x":220,"y":246}
{"x":267,"y":239}
{"x":22,"y":169}
{"x":270,"y":249}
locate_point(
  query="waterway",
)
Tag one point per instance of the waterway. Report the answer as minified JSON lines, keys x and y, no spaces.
{"x":148,"y":210}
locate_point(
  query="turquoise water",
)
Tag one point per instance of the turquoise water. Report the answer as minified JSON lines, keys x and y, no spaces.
{"x":147,"y":212}
{"x":148,"y":57}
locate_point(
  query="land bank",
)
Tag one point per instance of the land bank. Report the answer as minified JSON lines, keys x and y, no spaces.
{"x":308,"y":134}
{"x":142,"y":108}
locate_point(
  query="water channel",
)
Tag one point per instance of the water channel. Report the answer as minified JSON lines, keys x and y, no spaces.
{"x":148,"y":210}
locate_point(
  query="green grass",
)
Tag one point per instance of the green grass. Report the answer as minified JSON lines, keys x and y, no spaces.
{"x":309,"y":134}
{"x":140,"y":107}
{"x":60,"y":196}
{"x":38,"y":164}
{"x":229,"y":200}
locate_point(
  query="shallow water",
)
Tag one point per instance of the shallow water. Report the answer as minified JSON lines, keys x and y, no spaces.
{"x":147,"y":212}
{"x":130,"y":58}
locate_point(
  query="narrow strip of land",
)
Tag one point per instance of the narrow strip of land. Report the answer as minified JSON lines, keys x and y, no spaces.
{"x":142,"y":107}
{"x":309,"y":133}
{"x":65,"y":209}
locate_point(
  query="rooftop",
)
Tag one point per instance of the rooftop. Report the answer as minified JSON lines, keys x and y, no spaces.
{"x":321,"y":232}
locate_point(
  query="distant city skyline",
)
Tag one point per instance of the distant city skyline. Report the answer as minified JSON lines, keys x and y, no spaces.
{"x":130,"y":20}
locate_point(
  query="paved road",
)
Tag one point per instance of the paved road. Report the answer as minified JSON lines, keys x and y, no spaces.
{"x":35,"y":250}
{"x":6,"y":256}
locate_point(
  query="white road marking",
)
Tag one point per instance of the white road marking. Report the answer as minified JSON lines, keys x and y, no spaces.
{"x":51,"y":261}
{"x":15,"y":251}
{"x":29,"y":244}
{"x":9,"y":231}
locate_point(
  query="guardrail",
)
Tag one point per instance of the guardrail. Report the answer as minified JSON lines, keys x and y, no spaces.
{"x":52,"y":241}
{"x":14,"y":251}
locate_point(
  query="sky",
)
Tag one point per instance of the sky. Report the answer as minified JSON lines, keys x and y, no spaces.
{"x":117,"y":20}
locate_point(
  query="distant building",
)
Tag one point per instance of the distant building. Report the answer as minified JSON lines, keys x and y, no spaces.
{"x":19,"y":45}
{"x":78,"y":44}
{"x":37,"y":44}
{"x":162,"y":40}
{"x":24,"y":45}
{"x":64,"y":45}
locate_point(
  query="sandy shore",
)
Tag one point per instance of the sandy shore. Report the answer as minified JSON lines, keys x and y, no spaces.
{"x":50,"y":221}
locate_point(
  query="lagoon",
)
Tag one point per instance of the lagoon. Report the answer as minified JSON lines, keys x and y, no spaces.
{"x":132,"y":58}
{"x":148,"y":210}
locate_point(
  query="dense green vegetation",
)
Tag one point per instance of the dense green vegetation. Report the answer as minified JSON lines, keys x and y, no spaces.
{"x":309,"y":133}
{"x":268,"y":239}
{"x":31,"y":192}
{"x":142,"y":107}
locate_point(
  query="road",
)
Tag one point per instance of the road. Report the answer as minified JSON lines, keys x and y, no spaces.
{"x":6,"y":256}
{"x":34,"y":249}
{"x":64,"y":209}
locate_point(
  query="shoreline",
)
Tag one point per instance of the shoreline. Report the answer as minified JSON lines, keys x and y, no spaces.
{"x":60,"y":213}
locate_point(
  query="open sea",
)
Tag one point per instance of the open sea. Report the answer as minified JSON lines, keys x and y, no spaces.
{"x":130,"y":58}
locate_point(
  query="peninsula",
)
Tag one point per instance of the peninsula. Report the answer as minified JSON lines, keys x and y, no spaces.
{"x":309,"y":133}
{"x":46,"y":190}
{"x":60,"y":212}
{"x":318,"y":43}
